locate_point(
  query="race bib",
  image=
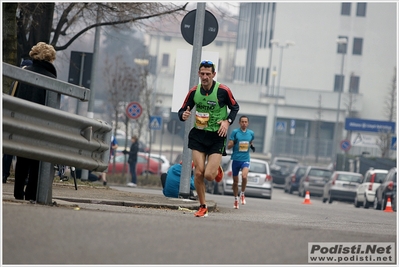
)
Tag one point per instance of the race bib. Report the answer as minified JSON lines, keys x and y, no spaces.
{"x":201,"y":120}
{"x":243,"y":146}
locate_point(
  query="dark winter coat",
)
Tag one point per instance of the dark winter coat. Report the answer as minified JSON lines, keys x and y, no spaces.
{"x":34,"y":93}
{"x":134,"y":149}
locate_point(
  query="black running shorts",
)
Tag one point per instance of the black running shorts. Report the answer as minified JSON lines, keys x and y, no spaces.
{"x":206,"y":142}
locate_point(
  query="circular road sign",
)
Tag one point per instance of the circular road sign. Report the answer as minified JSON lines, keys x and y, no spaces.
{"x":134,"y":110}
{"x":211,"y":27}
{"x":345,"y":145}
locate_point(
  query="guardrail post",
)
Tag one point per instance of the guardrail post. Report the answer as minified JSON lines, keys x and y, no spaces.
{"x":44,"y":191}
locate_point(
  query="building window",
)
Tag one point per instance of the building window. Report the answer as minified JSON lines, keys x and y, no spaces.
{"x":337,"y":83}
{"x":361,"y":10}
{"x":262,"y":75}
{"x":165,"y":60}
{"x":346,"y":9}
{"x":218,"y":43}
{"x":267,"y":77}
{"x":354,"y":84}
{"x":167,"y":38}
{"x":357,"y":46}
{"x":341,"y":48}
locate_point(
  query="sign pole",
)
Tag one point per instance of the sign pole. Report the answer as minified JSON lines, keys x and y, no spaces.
{"x":184,"y":190}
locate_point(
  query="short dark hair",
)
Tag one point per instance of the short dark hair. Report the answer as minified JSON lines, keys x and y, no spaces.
{"x":207,"y":64}
{"x":243,"y":116}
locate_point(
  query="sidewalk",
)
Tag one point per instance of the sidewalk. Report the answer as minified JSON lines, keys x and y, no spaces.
{"x":105,"y":198}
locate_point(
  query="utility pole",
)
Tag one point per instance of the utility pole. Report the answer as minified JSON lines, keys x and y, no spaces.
{"x":90,"y":108}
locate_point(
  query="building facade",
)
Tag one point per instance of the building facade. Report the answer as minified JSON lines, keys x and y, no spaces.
{"x":290,"y":51}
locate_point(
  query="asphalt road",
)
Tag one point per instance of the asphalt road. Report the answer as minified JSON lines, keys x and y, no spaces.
{"x":262,"y":232}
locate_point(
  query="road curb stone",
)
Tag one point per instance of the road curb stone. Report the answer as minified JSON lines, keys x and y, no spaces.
{"x":66,"y":195}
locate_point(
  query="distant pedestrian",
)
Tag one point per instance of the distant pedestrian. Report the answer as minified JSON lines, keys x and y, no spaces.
{"x":241,"y":141}
{"x":132,"y":160}
{"x":43,"y":56}
{"x":7,"y":159}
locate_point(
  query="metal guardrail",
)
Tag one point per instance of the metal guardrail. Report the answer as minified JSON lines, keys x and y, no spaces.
{"x":46,"y":82}
{"x":38,"y":132}
{"x":50,"y":135}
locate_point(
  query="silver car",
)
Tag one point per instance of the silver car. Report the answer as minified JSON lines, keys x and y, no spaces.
{"x":342,"y":186}
{"x":259,"y":180}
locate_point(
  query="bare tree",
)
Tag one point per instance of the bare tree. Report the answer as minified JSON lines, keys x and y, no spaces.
{"x":390,"y":101}
{"x":385,"y":137}
{"x":122,"y":82}
{"x":125,"y":85}
{"x":61,"y":23}
{"x":9,"y":39}
{"x":318,"y":124}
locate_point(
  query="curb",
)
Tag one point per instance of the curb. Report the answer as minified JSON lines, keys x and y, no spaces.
{"x":165,"y":203}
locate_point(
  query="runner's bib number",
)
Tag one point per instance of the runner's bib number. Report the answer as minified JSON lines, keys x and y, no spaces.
{"x":201,"y":120}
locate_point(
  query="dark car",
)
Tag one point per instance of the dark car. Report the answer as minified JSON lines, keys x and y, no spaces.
{"x":292,"y":180}
{"x":281,"y":167}
{"x":314,"y":180}
{"x":386,"y":189}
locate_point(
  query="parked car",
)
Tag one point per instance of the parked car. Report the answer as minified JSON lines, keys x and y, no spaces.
{"x":342,"y":186}
{"x":314,"y":180}
{"x":365,"y":193}
{"x":386,"y":189}
{"x":292,"y":180}
{"x":141,"y":167}
{"x":281,"y":167}
{"x":163,"y":161}
{"x":259,"y":180}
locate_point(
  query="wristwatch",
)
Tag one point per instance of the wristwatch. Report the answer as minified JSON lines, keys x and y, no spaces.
{"x":230,"y":120}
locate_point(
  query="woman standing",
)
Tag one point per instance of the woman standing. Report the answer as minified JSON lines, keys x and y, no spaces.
{"x":43,"y":56}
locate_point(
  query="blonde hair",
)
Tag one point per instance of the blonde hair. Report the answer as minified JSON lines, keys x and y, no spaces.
{"x":42,"y":51}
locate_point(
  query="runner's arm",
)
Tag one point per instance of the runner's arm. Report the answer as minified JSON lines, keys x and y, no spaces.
{"x":188,"y":102}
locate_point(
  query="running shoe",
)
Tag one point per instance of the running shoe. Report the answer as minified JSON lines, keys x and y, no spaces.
{"x":202,"y":212}
{"x":219,"y":177}
{"x":236,"y":204}
{"x":242,"y":197}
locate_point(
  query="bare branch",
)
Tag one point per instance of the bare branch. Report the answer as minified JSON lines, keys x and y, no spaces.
{"x":111,"y":23}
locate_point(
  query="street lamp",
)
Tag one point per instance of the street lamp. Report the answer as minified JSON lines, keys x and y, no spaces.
{"x":281,"y":46}
{"x":341,"y":42}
